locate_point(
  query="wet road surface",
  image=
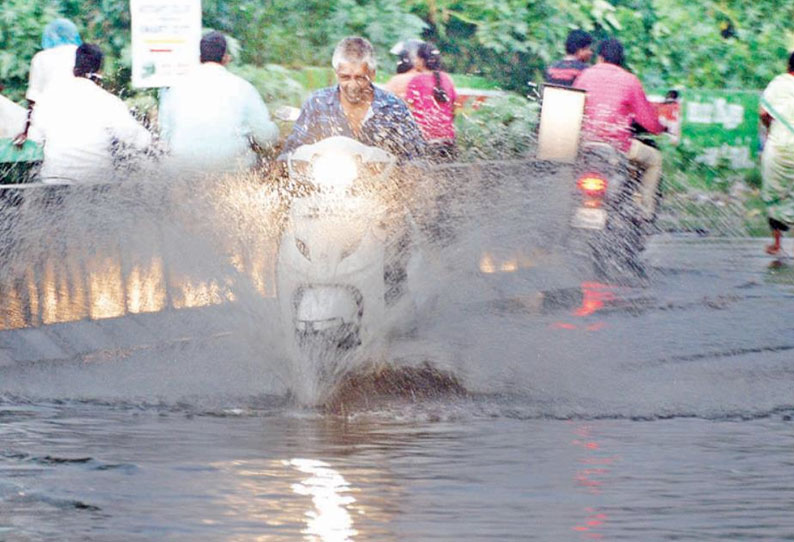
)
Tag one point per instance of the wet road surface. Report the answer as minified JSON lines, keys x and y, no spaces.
{"x":660,"y":411}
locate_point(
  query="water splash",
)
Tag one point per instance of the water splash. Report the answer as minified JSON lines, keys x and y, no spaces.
{"x":193,"y":259}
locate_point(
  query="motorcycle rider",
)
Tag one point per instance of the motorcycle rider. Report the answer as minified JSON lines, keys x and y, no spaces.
{"x":578,"y":52}
{"x":615,"y":98}
{"x":407,"y":67}
{"x":50,"y":66}
{"x":83,"y":127}
{"x":211,"y":118}
{"x":356,"y":108}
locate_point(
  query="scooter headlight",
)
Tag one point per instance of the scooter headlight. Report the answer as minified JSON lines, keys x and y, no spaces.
{"x":334,"y":171}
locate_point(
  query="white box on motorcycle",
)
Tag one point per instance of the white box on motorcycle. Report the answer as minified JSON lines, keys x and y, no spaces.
{"x":560,"y":125}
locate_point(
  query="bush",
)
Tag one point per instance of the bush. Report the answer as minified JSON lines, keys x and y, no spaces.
{"x":276,"y":84}
{"x":504,"y":126}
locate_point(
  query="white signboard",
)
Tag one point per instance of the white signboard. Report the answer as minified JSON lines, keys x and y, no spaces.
{"x":165,"y":40}
{"x":560,"y":123}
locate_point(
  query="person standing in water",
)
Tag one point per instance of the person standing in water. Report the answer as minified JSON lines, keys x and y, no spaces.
{"x":777,"y":160}
{"x":51,"y":66}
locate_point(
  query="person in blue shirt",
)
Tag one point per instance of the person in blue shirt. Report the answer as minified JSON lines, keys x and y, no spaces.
{"x":356,"y":108}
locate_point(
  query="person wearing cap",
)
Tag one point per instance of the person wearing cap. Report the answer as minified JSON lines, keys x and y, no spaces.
{"x":408,"y":65}
{"x":211,"y":119}
{"x":52,"y":65}
{"x":81,"y":126}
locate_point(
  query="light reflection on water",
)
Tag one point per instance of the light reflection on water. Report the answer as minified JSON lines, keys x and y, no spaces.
{"x":330,"y":520}
{"x":99,"y":288}
{"x":141,"y":246}
{"x":103,"y":474}
{"x":593,"y":477}
{"x":509,"y":471}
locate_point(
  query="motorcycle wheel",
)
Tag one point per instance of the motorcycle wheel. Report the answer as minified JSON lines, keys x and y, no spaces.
{"x":616,"y":252}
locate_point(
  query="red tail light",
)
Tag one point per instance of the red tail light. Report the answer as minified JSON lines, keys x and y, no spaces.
{"x":592,"y":184}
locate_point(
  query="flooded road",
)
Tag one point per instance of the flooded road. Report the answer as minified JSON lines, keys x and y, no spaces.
{"x":661,"y":410}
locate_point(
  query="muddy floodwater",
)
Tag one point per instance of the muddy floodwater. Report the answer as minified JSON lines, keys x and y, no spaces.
{"x":656,"y":411}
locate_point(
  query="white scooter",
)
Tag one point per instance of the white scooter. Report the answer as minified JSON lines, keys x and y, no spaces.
{"x":332,"y":260}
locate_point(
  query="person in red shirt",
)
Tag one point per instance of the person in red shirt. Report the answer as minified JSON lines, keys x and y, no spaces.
{"x":431,"y":96}
{"x":615,"y":98}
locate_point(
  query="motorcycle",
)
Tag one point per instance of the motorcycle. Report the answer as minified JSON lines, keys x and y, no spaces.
{"x":608,"y":223}
{"x":345,"y":260}
{"x":607,"y":226}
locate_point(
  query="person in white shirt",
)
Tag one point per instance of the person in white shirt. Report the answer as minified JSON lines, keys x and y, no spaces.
{"x":12,"y":118}
{"x":52,"y":65}
{"x":211,"y":118}
{"x":80,"y":126}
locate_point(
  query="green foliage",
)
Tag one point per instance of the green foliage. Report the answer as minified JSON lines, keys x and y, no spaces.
{"x":276,"y":84}
{"x":734,"y":44}
{"x":384,"y":22}
{"x":501,"y":127}
{"x":21,"y":25}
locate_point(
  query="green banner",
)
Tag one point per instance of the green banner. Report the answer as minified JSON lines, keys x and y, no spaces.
{"x":29,"y":152}
{"x":721,"y":126}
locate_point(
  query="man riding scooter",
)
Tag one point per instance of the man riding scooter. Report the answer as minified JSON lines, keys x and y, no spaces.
{"x":347,"y":251}
{"x":615,"y":98}
{"x":356,"y":108}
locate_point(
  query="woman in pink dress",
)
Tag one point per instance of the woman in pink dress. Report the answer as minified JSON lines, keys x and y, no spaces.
{"x":431,"y":96}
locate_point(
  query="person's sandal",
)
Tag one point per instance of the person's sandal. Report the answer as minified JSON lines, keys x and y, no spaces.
{"x":773,"y":250}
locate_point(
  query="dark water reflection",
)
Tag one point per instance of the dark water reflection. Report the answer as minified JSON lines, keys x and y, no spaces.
{"x":475,"y":471}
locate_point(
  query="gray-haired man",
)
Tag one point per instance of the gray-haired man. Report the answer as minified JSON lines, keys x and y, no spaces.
{"x":357,"y":109}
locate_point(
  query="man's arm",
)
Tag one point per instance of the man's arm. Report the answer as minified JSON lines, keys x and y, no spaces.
{"x":766,"y":118}
{"x":644,"y":112}
{"x":35,"y":85}
{"x":263,"y":130}
{"x":302,"y":132}
{"x":36,"y":124}
{"x":126,"y":128}
{"x":407,"y":135}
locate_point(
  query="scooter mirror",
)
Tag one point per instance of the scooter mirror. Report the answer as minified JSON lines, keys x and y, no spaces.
{"x":560,"y":123}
